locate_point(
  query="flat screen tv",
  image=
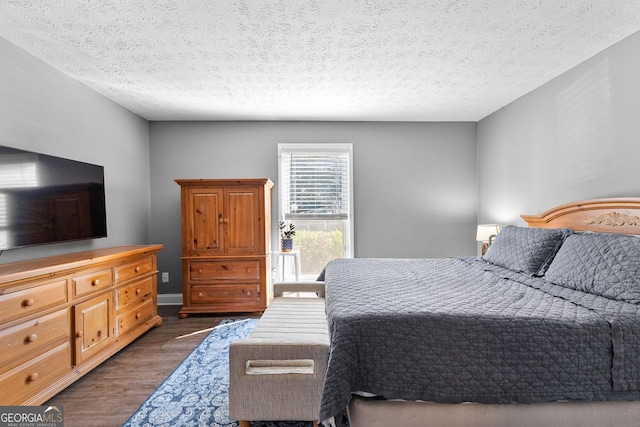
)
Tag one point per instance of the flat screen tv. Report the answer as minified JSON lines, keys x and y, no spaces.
{"x":48,"y":199}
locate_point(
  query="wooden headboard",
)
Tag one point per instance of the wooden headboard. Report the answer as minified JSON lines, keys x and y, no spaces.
{"x":599,"y":215}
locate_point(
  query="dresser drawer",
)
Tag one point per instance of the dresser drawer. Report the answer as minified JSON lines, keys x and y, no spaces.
{"x":89,"y":283}
{"x":35,"y":375}
{"x":135,"y":269}
{"x":225,"y":294}
{"x":23,"y":303}
{"x":134,"y":293}
{"x":30,"y":337}
{"x":224,"y":270}
{"x":134,"y":317}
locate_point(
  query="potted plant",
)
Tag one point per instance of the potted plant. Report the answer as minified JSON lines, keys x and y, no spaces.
{"x":287,"y":231}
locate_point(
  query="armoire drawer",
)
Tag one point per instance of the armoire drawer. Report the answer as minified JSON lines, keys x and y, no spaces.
{"x":225,"y":294}
{"x":30,"y":337}
{"x":224,"y":270}
{"x":26,"y":302}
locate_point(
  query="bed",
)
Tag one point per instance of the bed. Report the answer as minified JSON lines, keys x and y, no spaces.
{"x":544,"y":329}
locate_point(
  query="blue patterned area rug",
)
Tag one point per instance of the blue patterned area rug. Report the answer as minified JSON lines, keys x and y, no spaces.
{"x":195,"y":394}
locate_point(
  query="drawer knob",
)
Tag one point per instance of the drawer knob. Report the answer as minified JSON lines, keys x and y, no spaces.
{"x":200,"y":294}
{"x":248,"y":293}
{"x":95,"y":282}
{"x":248,"y":269}
{"x":138,"y":315}
{"x":28,"y":303}
{"x":32,"y":337}
{"x":138,"y":291}
{"x":32,"y":377}
{"x":137,"y":269}
{"x":79,"y":334}
{"x":199,"y":271}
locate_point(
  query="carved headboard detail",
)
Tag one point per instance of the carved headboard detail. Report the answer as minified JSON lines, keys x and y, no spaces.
{"x":615,"y":219}
{"x":599,"y":215}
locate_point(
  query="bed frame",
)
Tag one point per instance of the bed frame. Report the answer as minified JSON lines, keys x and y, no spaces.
{"x":601,"y":215}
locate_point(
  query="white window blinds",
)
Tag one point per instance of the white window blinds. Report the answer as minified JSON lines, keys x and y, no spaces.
{"x":315,"y":180}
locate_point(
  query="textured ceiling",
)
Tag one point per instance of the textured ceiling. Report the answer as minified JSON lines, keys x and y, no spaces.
{"x":414,"y":60}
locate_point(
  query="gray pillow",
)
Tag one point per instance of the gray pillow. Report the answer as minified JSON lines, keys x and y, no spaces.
{"x":599,"y":263}
{"x":526,"y":250}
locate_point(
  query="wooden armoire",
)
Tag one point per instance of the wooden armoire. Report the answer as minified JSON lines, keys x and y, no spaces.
{"x":226,"y":235}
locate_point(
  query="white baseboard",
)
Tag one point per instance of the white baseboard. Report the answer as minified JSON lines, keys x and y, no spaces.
{"x":169,"y":299}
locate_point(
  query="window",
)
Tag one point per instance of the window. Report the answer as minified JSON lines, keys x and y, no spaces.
{"x":315,"y":182}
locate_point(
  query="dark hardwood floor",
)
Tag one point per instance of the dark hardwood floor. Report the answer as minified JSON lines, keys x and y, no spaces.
{"x":112,"y":392}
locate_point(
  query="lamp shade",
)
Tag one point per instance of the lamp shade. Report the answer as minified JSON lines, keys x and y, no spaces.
{"x":485,"y":231}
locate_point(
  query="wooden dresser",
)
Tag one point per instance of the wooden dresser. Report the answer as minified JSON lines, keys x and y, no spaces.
{"x":62,"y":316}
{"x":226,"y":234}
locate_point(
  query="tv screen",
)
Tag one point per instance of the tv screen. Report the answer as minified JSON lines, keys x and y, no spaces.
{"x":48,"y":199}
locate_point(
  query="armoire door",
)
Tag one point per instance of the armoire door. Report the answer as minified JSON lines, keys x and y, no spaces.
{"x":243,"y":221}
{"x":204,"y":222}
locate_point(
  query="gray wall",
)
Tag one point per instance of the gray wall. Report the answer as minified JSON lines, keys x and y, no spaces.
{"x":43,"y":110}
{"x":414,"y":183}
{"x":575,"y":138}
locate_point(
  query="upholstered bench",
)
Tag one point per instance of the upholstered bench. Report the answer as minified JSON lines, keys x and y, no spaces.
{"x":277,"y":373}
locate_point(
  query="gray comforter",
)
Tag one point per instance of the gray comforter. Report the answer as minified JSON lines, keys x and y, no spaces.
{"x":456,"y":330}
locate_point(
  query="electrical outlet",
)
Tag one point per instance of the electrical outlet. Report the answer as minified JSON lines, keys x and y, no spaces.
{"x":165,"y":277}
